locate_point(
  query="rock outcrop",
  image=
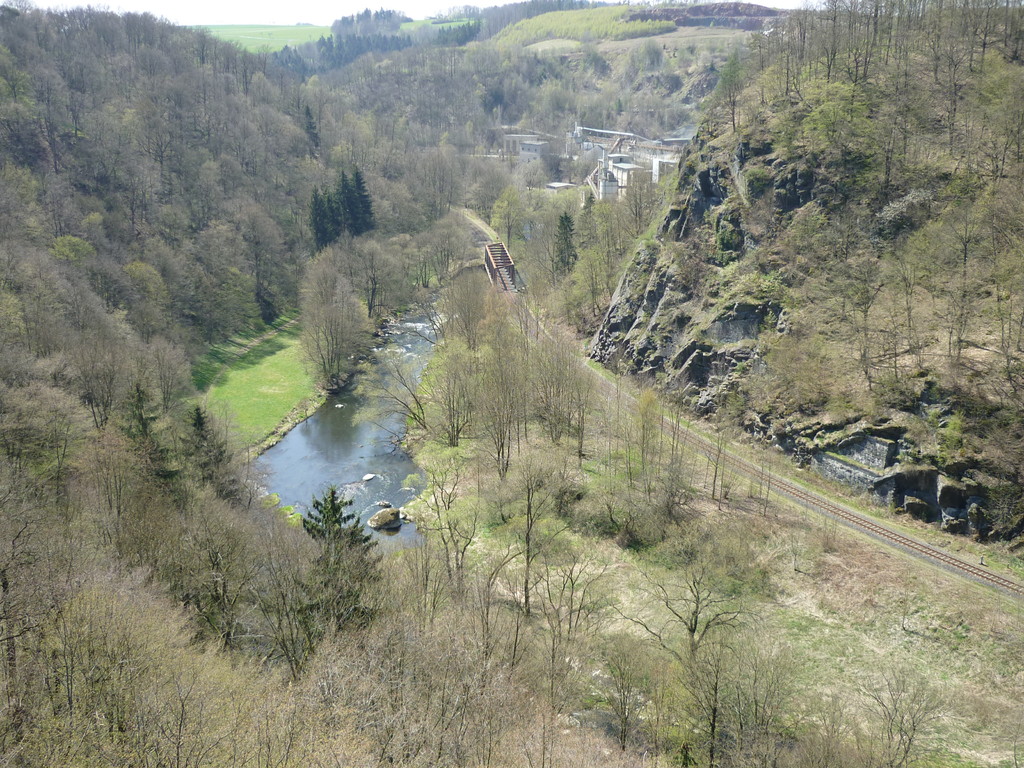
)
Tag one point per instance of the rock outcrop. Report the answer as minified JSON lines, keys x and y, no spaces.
{"x":659,"y":322}
{"x":680,"y":319}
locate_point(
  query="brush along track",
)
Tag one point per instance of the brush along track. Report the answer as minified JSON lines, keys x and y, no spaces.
{"x":817,"y":503}
{"x":810,"y":500}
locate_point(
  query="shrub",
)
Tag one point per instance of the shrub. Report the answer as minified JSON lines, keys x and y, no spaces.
{"x":729,"y":238}
{"x":758,"y":180}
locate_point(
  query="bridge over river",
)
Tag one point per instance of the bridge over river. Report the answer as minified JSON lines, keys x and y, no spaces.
{"x":501,"y":270}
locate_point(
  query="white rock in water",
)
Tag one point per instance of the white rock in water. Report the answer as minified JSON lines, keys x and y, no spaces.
{"x":339,"y":405}
{"x":367,"y":478}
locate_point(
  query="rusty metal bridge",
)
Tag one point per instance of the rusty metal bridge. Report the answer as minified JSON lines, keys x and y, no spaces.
{"x":501,"y":270}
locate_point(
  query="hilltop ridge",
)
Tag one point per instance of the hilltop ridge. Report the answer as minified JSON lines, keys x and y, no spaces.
{"x":748,"y":16}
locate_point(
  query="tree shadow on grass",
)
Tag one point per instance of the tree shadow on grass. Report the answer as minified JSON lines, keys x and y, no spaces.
{"x":261,"y":352}
{"x":249,"y":359}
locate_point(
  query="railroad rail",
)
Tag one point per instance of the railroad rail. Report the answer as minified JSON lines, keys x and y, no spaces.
{"x":818,"y":503}
{"x":501,"y":270}
{"x":809,"y":500}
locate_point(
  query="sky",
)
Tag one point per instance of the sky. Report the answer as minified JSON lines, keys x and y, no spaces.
{"x":319,"y":12}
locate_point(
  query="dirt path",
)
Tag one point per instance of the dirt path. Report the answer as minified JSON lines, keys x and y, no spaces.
{"x":486,"y":234}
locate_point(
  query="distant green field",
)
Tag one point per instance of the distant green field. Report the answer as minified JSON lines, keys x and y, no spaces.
{"x":268,"y":38}
{"x":585,"y":25}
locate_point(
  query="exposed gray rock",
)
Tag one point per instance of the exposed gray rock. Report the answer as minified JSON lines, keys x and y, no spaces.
{"x":951,"y":493}
{"x":871,"y":451}
{"x":954,"y":524}
{"x":843,"y":470}
{"x":885,"y":489}
{"x":793,"y":188}
{"x":386,"y":520}
{"x":741,"y":323}
{"x":705,"y":403}
{"x":918,"y":508}
{"x":697,"y":347}
{"x":920,"y":479}
{"x":979,"y":521}
{"x":697,"y":368}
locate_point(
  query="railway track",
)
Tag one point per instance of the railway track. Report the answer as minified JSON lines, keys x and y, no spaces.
{"x":819,"y":504}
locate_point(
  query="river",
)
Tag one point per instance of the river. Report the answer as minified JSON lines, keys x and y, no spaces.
{"x":344,"y":440}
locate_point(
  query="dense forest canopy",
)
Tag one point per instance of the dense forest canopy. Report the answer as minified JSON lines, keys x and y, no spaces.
{"x":588,"y":590}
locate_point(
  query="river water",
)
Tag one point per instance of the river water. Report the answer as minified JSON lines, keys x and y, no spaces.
{"x":347,"y":439}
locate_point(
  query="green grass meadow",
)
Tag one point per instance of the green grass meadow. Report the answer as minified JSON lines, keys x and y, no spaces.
{"x":255,"y":37}
{"x":590,"y":24}
{"x":263,"y":386}
{"x":206,"y":368}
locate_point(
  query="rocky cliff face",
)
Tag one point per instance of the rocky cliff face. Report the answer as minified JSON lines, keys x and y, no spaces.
{"x":692,"y":316}
{"x":664,"y":323}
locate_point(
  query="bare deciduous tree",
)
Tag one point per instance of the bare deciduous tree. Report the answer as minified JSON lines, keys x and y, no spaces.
{"x":903,"y":705}
{"x":688,"y":600}
{"x":333,"y":322}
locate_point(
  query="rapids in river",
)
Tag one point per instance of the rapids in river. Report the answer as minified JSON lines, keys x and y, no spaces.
{"x":347,"y":439}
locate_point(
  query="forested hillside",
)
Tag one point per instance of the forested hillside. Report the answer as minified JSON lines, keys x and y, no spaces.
{"x":160,"y":193}
{"x":841,"y":267}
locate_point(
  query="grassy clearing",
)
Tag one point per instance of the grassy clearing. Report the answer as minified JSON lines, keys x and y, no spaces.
{"x":263,"y":386}
{"x":591,"y":24}
{"x":268,"y":38}
{"x":208,"y":367}
{"x":840,"y":610}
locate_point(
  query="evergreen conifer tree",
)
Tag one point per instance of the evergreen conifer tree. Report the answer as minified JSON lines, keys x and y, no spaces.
{"x":327,"y":520}
{"x":311,"y":130}
{"x":346,"y":208}
{"x":565,"y":249}
{"x":362,"y":205}
{"x":342,"y":206}
{"x":321,"y":219}
{"x":211,"y":455}
{"x":346,"y":567}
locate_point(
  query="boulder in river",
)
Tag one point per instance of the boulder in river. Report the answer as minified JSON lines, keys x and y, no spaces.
{"x":368,"y":477}
{"x":384,"y":504}
{"x":386,"y":520}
